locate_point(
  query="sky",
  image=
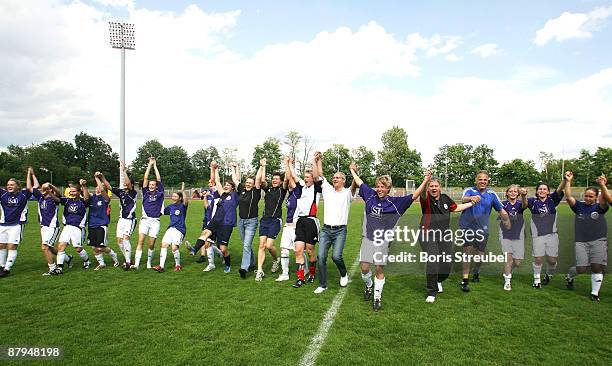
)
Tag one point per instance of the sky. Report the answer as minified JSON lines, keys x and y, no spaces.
{"x":520,"y":76}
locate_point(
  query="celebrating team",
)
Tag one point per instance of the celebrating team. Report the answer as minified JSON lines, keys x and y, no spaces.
{"x":302,"y":229}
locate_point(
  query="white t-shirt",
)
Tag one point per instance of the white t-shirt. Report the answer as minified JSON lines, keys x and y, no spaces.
{"x":336,"y":204}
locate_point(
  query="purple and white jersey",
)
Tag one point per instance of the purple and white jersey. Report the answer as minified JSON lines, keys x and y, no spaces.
{"x":75,"y":210}
{"x":382,"y":214}
{"x":178,"y":213}
{"x":544,"y":214}
{"x":12,"y":206}
{"x":226,"y":208}
{"x":517,"y":223}
{"x":291,"y":203}
{"x":47,"y":209}
{"x":97,"y":211}
{"x":127,"y":202}
{"x":153,"y":202}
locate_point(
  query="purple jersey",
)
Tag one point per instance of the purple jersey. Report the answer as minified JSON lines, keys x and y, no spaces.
{"x":515,"y":212}
{"x":127,"y":202}
{"x":544,"y":214}
{"x":590,"y":223}
{"x":177,"y":212}
{"x":75,"y":210}
{"x":226,"y":208}
{"x":382,"y":214}
{"x":97,"y":211}
{"x":47,"y":209}
{"x":291,"y":203}
{"x":209,"y":212}
{"x":153,"y":202}
{"x":12,"y":206}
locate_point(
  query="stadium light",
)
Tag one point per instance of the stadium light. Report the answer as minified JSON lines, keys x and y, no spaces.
{"x":122,"y":37}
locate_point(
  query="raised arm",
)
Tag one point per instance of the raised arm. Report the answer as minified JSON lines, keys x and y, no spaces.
{"x":562,"y":185}
{"x":260,"y":178}
{"x":54,"y":192}
{"x":185,"y":197}
{"x":205,"y":199}
{"x":100,"y":184}
{"x":356,"y":179}
{"x":126,"y":178}
{"x":214,"y":172}
{"x":157,"y":175}
{"x":605,"y":198}
{"x":145,"y":180}
{"x":235,"y":173}
{"x":288,"y":181}
{"x":569,"y":198}
{"x":84,"y":190}
{"x":105,"y":182}
{"x":29,"y":179}
{"x":423,"y":185}
{"x":317,"y":165}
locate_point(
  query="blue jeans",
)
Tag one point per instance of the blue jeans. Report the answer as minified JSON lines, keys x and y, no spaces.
{"x":247,"y":229}
{"x":336,"y":238}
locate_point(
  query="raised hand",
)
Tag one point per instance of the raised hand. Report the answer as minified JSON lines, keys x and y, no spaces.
{"x":286,"y":159}
{"x":317,"y":155}
{"x":262,"y":162}
{"x":569,"y":176}
{"x":214,"y":165}
{"x":602,"y":180}
{"x":151,"y":160}
{"x":523,"y":191}
{"x":82,"y":182}
{"x":353,"y":166}
{"x":97,"y":174}
{"x":428,"y":174}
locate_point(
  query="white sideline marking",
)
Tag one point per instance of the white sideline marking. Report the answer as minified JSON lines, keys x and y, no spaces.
{"x":310,"y":357}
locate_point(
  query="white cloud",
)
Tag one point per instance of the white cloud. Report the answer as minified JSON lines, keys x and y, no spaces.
{"x":487,"y":50}
{"x":186,"y":87}
{"x":572,"y":26}
{"x":453,"y":58}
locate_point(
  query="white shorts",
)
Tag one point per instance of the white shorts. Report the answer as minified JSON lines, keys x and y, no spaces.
{"x":546,"y":245}
{"x":288,"y":237}
{"x":125,"y":227}
{"x":73,"y":235}
{"x":595,"y":251}
{"x":149,"y":226}
{"x":373,"y":253}
{"x":11,"y":234}
{"x":49,"y":235}
{"x":173,"y":237}
{"x":514,"y":247}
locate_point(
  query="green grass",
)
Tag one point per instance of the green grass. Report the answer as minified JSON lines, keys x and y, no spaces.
{"x":191,"y":317}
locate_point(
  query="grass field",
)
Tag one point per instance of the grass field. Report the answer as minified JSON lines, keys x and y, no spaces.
{"x":191,"y":317}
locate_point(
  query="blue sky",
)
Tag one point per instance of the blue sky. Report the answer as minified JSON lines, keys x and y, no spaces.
{"x":473,"y":72}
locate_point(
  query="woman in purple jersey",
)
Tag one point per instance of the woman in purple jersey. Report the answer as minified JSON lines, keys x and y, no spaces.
{"x":13,"y":201}
{"x":513,"y":239}
{"x":98,"y":221}
{"x":176,"y":231}
{"x":152,"y":209}
{"x":382,"y":213}
{"x":545,"y":240}
{"x":591,"y":233}
{"x":48,"y":197}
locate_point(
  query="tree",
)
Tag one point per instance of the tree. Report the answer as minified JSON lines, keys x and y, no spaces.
{"x":545,"y":160}
{"x":93,"y":154}
{"x":519,"y":172}
{"x":365,"y":160}
{"x":336,"y":159}
{"x":200,"y":161}
{"x":397,"y":159}
{"x":270,"y":149}
{"x":65,"y":151}
{"x":175,"y":166}
{"x":292,"y":140}
{"x":307,"y":146}
{"x":148,"y":149}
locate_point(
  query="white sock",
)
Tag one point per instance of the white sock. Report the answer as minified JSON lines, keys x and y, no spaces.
{"x":83,"y":255}
{"x":127,"y":250}
{"x":551,"y":269}
{"x":211,"y":256}
{"x":51,"y":266}
{"x":113,"y":255}
{"x":177,"y":257}
{"x":10,"y":259}
{"x":378,"y":287}
{"x":100,"y":259}
{"x":150,"y":256}
{"x":162,"y":257}
{"x":537,"y":269}
{"x":285,"y":261}
{"x":137,"y":257}
{"x":3,"y":254}
{"x":367,"y":278}
{"x":596,"y":280}
{"x":217,"y":250}
{"x":61,"y":256}
{"x":571,"y":273}
{"x":121,"y":246}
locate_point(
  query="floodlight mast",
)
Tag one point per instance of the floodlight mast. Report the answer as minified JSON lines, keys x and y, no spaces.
{"x":122,"y":37}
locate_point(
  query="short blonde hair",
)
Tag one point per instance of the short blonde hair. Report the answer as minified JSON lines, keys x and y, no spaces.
{"x":510,"y":187}
{"x":385,"y":180}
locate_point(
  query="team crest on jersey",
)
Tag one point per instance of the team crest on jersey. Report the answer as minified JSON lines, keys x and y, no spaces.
{"x":228,"y":198}
{"x":152,"y":198}
{"x":594,"y":215}
{"x":99,"y":203}
{"x":543,"y":210}
{"x":73,"y":208}
{"x":445,"y":206}
{"x":43,"y":205}
{"x":177,"y":212}
{"x":12,"y":201}
{"x":376,"y":211}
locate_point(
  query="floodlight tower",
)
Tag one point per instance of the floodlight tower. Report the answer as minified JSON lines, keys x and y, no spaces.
{"x":122,"y":37}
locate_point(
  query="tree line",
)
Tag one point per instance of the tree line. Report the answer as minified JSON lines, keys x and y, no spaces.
{"x":455,"y":165}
